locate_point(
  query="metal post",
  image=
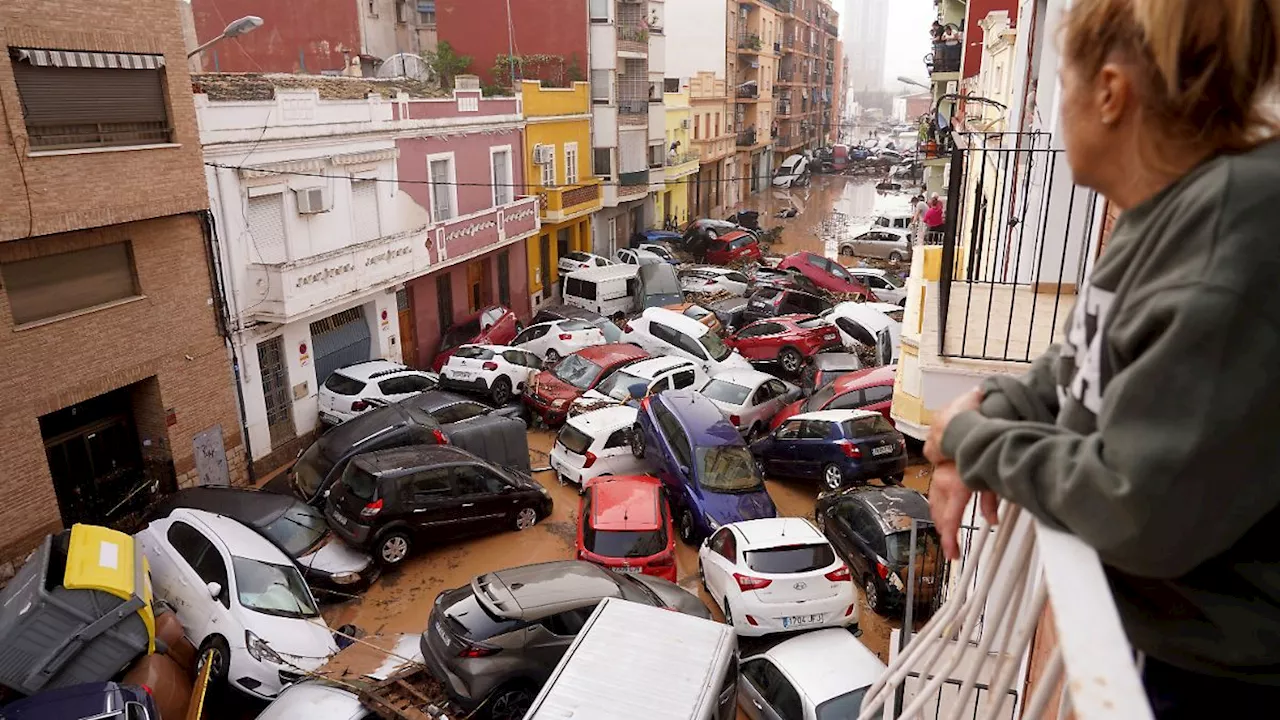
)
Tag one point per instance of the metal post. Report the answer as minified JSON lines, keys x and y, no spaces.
{"x":904,"y":637}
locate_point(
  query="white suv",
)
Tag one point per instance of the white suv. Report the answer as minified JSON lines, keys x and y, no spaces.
{"x":666,"y":332}
{"x":553,"y":340}
{"x":356,"y":389}
{"x":640,"y":379}
{"x":494,"y":370}
{"x":594,"y":444}
{"x":887,"y":286}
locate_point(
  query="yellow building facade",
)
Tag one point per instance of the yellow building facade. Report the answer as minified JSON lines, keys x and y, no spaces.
{"x":681,"y":161}
{"x":557,"y":158}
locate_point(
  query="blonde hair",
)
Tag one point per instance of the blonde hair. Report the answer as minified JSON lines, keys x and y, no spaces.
{"x":1206,"y":69}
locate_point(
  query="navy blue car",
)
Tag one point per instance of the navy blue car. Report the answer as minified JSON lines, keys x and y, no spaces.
{"x":837,"y":447}
{"x":91,"y":701}
{"x":706,"y":468}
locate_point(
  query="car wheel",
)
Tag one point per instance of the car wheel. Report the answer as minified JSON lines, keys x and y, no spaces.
{"x":501,"y":391}
{"x":832,"y":477}
{"x":688,"y":533}
{"x":221,"y":658}
{"x":754,"y":433}
{"x":393,"y":548}
{"x":846,"y":251}
{"x":510,"y":702}
{"x":790,"y":360}
{"x":526,"y":518}
{"x":895,"y":256}
{"x":872,"y":594}
{"x":637,"y":441}
{"x":894,"y":479}
{"x":760,"y":466}
{"x":552,"y":357}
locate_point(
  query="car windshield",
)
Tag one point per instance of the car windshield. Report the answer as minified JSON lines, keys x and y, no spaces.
{"x":662,"y":299}
{"x":726,"y":392}
{"x":577,"y":371}
{"x":574,"y":440}
{"x":272,"y":589}
{"x":473,"y":353}
{"x":622,"y":385}
{"x":842,"y":707}
{"x":623,"y":543}
{"x":715,"y":346}
{"x":866,"y":426}
{"x":298,"y":530}
{"x":578,"y":257}
{"x":790,"y":558}
{"x":898,"y":545}
{"x":893,"y":280}
{"x":460,"y":333}
{"x":728,"y":469}
{"x":311,"y":469}
{"x":820,"y":398}
{"x":811,"y":323}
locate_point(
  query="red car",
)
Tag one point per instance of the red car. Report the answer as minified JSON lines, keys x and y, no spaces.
{"x":870,"y":389}
{"x":551,"y":392}
{"x":494,"y":325}
{"x":733,"y":246}
{"x":826,"y":274}
{"x":786,"y":339}
{"x":624,"y":525}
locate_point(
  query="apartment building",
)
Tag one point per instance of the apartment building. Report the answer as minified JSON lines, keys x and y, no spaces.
{"x":755,"y":48}
{"x":117,"y":383}
{"x":806,"y":75}
{"x":682,"y":166}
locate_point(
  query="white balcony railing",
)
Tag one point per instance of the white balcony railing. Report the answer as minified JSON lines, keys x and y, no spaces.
{"x":969,"y":659}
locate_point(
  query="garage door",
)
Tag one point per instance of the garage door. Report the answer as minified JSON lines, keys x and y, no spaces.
{"x":339,"y":340}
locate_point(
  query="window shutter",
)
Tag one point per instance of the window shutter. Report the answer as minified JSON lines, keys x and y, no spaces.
{"x":83,"y":107}
{"x":364,"y":201}
{"x":53,"y":285}
{"x":266,"y":228}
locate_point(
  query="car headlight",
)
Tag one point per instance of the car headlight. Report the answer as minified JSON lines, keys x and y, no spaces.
{"x":559,"y":403}
{"x":259,"y":650}
{"x":712,"y":522}
{"x":345,"y":578}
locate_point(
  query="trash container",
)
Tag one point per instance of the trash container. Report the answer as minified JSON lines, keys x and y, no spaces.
{"x":78,"y":611}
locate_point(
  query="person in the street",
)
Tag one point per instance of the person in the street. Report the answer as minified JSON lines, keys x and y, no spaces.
{"x":1149,"y":432}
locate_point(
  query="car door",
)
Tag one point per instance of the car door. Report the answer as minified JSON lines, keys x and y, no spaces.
{"x":429,"y":504}
{"x":533,"y":339}
{"x":676,"y":457}
{"x":548,"y":638}
{"x":485,"y":500}
{"x":198,"y":562}
{"x":761,"y":340}
{"x":781,"y":459}
{"x":691,"y":348}
{"x":769,"y":694}
{"x":721,"y":560}
{"x":841,"y":519}
{"x":811,"y":448}
{"x":770,"y":398}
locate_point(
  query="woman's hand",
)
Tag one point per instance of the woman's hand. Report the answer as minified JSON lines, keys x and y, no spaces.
{"x":948,"y":497}
{"x":933,"y":446}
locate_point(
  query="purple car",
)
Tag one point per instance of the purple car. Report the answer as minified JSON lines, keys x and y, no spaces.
{"x":708,"y":472}
{"x":92,"y":701}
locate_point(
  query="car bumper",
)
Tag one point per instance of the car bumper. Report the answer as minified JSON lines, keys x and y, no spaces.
{"x":560,"y":464}
{"x":332,"y":419}
{"x":352,"y":533}
{"x":865,"y":470}
{"x":476,"y":385}
{"x":322,"y":583}
{"x":454,"y":686}
{"x":549,"y":415}
{"x":770,"y":617}
{"x":265,"y":679}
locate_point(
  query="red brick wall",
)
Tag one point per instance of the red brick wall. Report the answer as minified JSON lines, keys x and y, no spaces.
{"x":295,"y":36}
{"x":479,"y":28}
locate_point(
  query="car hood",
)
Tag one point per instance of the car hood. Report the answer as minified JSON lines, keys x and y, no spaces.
{"x":673,"y":596}
{"x":291,"y":637}
{"x":725,"y":508}
{"x":549,"y":386}
{"x":735,"y":361}
{"x":334,"y":557}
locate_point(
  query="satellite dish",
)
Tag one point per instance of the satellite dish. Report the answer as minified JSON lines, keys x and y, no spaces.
{"x":406,"y":65}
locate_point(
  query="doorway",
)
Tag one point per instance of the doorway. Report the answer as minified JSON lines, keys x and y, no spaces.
{"x":275,"y":391}
{"x":408,"y":333}
{"x":544,"y":252}
{"x":637,"y":219}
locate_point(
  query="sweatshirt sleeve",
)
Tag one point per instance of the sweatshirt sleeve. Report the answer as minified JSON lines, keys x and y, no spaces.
{"x":1033,"y":396}
{"x":1183,"y":460}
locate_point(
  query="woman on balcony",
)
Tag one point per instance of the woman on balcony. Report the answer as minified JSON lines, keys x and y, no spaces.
{"x":1150,"y":431}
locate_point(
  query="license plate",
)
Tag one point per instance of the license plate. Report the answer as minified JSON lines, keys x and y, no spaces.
{"x":462,"y":375}
{"x":342,"y":519}
{"x":882,"y":450}
{"x":798,"y":620}
{"x":626,"y":570}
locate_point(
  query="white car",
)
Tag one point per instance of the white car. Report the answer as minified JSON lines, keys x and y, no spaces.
{"x":575,"y":261}
{"x":498,"y":371}
{"x":347,"y":391}
{"x":886,"y":286}
{"x":640,"y":379}
{"x":235,"y":591}
{"x":749,"y":398}
{"x":594,"y":444}
{"x":316,"y":700}
{"x":815,"y":676}
{"x":714,"y":280}
{"x":862,"y":325}
{"x":553,"y":340}
{"x":661,"y":251}
{"x":629,"y":256}
{"x":777,"y":575}
{"x":667,"y":332}
{"x":893,"y":312}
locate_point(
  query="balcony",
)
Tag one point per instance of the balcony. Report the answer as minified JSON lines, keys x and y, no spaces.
{"x":633,"y":110}
{"x":565,"y":203}
{"x":945,"y":58}
{"x":749,"y":44}
{"x":783,"y":111}
{"x":747,"y":138}
{"x":789,"y":43}
{"x":712,"y":149}
{"x":633,"y":40}
{"x":748,"y":90}
{"x":680,"y":165}
{"x":785,"y":77}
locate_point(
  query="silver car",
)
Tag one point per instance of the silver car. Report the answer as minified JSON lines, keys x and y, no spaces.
{"x":795,"y":678}
{"x":885,"y":243}
{"x":749,"y":398}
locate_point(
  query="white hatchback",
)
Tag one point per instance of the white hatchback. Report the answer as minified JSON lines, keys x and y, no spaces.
{"x":594,"y":444}
{"x":887,"y":286}
{"x":750,"y":399}
{"x":777,"y":575}
{"x":823,"y":674}
{"x":553,"y":340}
{"x":348,"y":391}
{"x":575,"y":261}
{"x":667,"y":332}
{"x":711,"y":279}
{"x":498,"y":371}
{"x":639,"y":379}
{"x":629,"y":256}
{"x":235,"y":591}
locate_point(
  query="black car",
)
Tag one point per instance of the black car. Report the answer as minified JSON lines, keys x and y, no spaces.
{"x":299,"y":530}
{"x":769,"y":301}
{"x":731,"y":312}
{"x":701,"y":232}
{"x":390,"y":501}
{"x":90,"y":701}
{"x":870,"y":528}
{"x":826,"y":367}
{"x":551,"y":313}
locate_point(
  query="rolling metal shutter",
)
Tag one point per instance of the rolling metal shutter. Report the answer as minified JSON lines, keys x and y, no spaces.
{"x":339,"y":340}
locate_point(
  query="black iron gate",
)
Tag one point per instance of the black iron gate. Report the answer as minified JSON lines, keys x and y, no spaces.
{"x":339,"y":340}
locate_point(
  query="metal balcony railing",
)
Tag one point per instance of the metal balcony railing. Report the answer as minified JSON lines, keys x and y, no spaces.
{"x":747,"y":138}
{"x":749,"y":41}
{"x":945,"y":57}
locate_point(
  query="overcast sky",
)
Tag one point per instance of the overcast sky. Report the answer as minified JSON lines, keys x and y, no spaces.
{"x":909,"y":22}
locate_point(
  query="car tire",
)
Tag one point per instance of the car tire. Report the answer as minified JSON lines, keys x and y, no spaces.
{"x":754,"y":433}
{"x":846,"y":251}
{"x":637,"y":441}
{"x":760,"y":467}
{"x":525,"y":518}
{"x":501,"y":391}
{"x":791,"y":360}
{"x":688,"y":533}
{"x":393,"y":547}
{"x":872,"y":595}
{"x":895,"y":256}
{"x":552,"y":357}
{"x":221,"y":661}
{"x":832,"y":477}
{"x":894,"y":479}
{"x":510,"y":702}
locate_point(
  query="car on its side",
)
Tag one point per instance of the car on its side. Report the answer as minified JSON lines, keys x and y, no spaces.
{"x":777,"y":575}
{"x":749,"y":398}
{"x":237,"y":593}
{"x":299,"y":530}
{"x":885,"y":243}
{"x":868,"y":389}
{"x":887,"y":286}
{"x":641,"y":378}
{"x":711,"y":279}
{"x":699,"y":313}
{"x":641,"y":256}
{"x":550,"y":393}
{"x":664,"y":332}
{"x":553,"y":340}
{"x":494,"y":325}
{"x":709,"y":473}
{"x":822,"y":675}
{"x":771,"y":301}
{"x":826,"y":274}
{"x":794,"y":171}
{"x":548,"y":313}
{"x":624,"y":525}
{"x":495,"y":641}
{"x":577,"y":260}
{"x":826,"y":367}
{"x":864,"y":324}
{"x":788,"y":340}
{"x":659,"y":286}
{"x":498,"y":371}
{"x":355,"y":389}
{"x":87,"y":701}
{"x":837,"y":447}
{"x":596,"y":443}
{"x":391,"y":501}
{"x":705,"y":229}
{"x":870,"y":527}
{"x":736,"y":246}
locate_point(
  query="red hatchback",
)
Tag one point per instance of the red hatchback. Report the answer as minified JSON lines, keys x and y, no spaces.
{"x":786,"y":339}
{"x":494,"y":325}
{"x":550,"y":393}
{"x":733,"y":246}
{"x":625,"y":525}
{"x":870,"y":389}
{"x":826,"y":274}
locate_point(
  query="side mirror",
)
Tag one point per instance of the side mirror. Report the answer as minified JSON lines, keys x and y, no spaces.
{"x":684,"y":470}
{"x":215,"y":590}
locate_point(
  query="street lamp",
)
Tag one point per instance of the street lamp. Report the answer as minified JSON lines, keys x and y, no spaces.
{"x":236,"y":28}
{"x":909,"y":81}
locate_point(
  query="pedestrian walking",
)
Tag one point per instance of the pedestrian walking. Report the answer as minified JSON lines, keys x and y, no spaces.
{"x":1150,"y":431}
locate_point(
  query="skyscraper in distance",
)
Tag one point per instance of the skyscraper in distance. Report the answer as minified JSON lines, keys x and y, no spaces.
{"x":866,"y":30}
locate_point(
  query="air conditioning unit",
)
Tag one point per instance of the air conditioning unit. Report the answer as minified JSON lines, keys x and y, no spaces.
{"x":543,"y":154}
{"x":314,"y":200}
{"x":684,"y":124}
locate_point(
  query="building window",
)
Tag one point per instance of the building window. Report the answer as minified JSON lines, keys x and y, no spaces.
{"x":571,"y":163}
{"x":548,"y":168}
{"x":444,"y":189}
{"x":427,"y":12}
{"x":717,"y":126}
{"x":671,"y":85}
{"x":364,"y":209}
{"x":500,"y":167}
{"x":600,"y":10}
{"x":504,"y":279}
{"x":697,"y":123}
{"x":655,"y":156}
{"x":87,"y":99}
{"x":602,"y":163}
{"x":47,"y":287}
{"x":600,"y":86}
{"x":265,"y":219}
{"x":444,"y":300}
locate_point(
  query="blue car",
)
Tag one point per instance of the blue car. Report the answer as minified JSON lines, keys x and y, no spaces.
{"x":91,"y":701}
{"x":837,"y":447}
{"x":706,"y":468}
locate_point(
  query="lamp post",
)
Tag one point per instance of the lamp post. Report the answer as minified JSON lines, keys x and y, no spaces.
{"x":235,"y":28}
{"x":908,"y":81}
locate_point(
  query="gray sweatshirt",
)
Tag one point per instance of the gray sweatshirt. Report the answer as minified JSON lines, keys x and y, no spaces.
{"x":1152,"y":431}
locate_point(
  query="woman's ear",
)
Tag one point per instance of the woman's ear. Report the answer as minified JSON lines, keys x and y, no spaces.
{"x":1113,"y":94}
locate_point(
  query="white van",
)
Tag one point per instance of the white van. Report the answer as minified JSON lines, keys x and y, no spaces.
{"x":636,"y":662}
{"x":609,"y":290}
{"x":791,"y":172}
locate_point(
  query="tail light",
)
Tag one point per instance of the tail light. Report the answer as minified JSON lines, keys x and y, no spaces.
{"x":372,"y":509}
{"x":147,"y":689}
{"x":882,"y":570}
{"x":840,"y":574}
{"x":849,"y":610}
{"x":752,"y":621}
{"x":735,"y":420}
{"x":438,"y":434}
{"x":746,"y":582}
{"x":664,"y":560}
{"x":477,"y":651}
{"x":490,"y":366}
{"x":849,"y":449}
{"x":591,"y":460}
{"x":359,"y":406}
{"x":566,"y":336}
{"x":626,"y":326}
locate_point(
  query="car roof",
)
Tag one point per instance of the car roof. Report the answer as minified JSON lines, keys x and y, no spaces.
{"x":895,"y":507}
{"x":746,"y":377}
{"x":605,"y":420}
{"x":530,"y":592}
{"x":868,"y":271}
{"x":393,"y":462}
{"x":569,"y":311}
{"x":883,"y":307}
{"x":712,"y":269}
{"x":660,"y":235}
{"x":829,"y":361}
{"x":629,"y":502}
{"x":706,"y":425}
{"x":679,"y":321}
{"x":835,"y":415}
{"x":368,"y":369}
{"x":606,"y":272}
{"x":494,"y":348}
{"x":826,"y":663}
{"x":776,"y":532}
{"x":372,"y":424}
{"x":650,"y":368}
{"x":734,"y":235}
{"x":869,"y":377}
{"x":611,"y":353}
{"x":239,"y":539}
{"x":316,"y":699}
{"x":902,"y":232}
{"x":434,"y":400}
{"x":252,"y":507}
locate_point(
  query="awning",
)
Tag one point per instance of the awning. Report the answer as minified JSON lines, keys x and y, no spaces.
{"x":82,"y":59}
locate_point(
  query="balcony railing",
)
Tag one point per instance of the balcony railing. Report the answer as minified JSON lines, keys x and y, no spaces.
{"x":562,"y":203}
{"x":749,"y":41}
{"x":748,"y":91}
{"x":945,"y":58}
{"x":747,"y":138}
{"x":633,"y":38}
{"x":631,"y":179}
